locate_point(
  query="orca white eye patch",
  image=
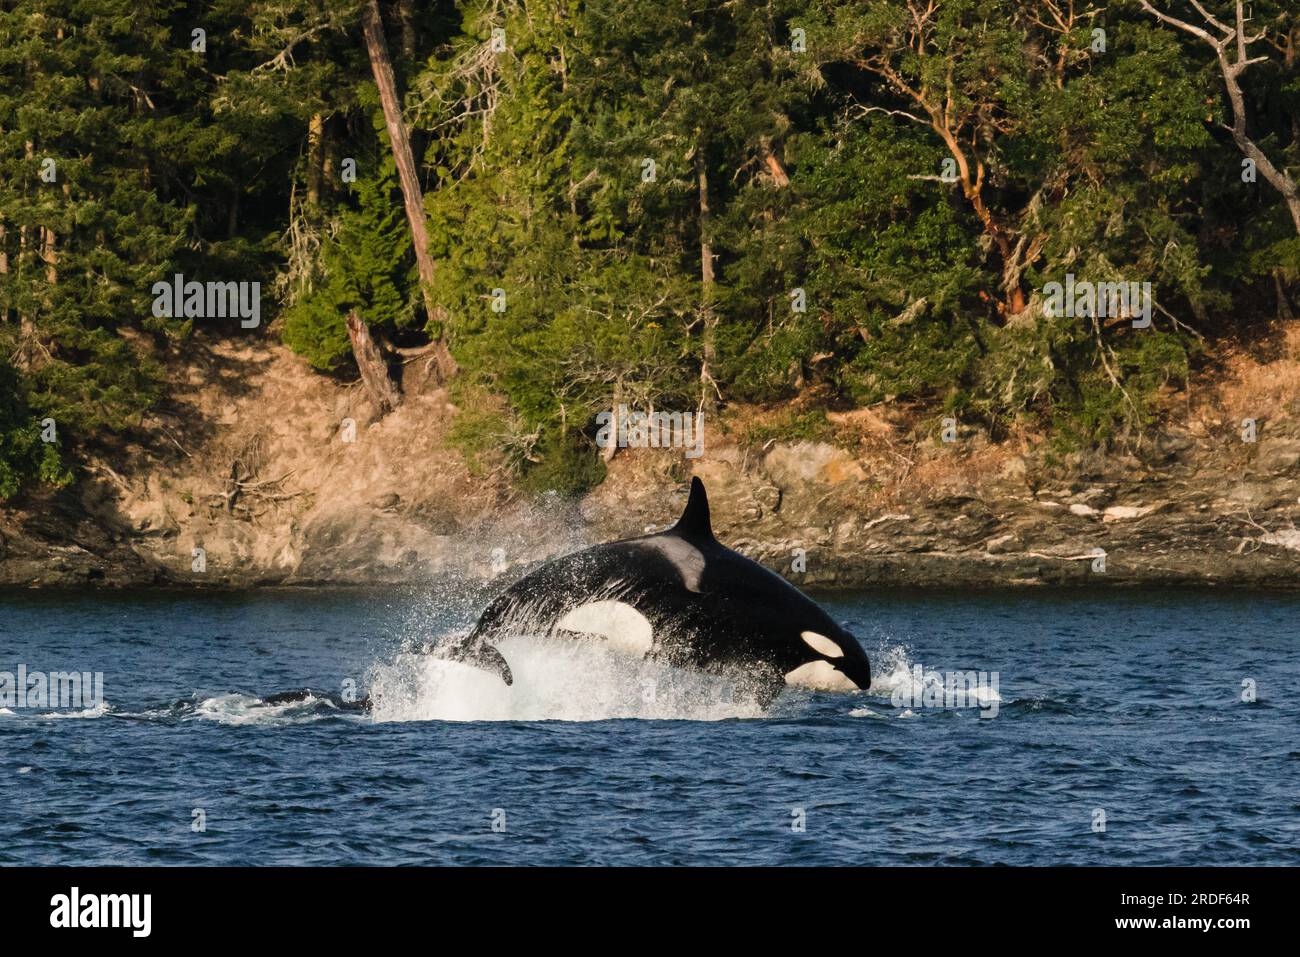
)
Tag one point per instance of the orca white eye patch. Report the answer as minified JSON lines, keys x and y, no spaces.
{"x":821,"y":644}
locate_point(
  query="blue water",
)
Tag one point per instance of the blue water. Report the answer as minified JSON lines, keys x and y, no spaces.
{"x":1129,"y":704}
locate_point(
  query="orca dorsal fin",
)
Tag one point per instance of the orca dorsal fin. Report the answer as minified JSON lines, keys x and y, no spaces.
{"x":694,"y":522}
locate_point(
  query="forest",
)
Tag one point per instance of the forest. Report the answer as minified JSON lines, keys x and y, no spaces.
{"x":570,"y":206}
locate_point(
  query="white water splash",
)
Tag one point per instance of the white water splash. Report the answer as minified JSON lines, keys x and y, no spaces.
{"x":866,"y":713}
{"x":891,"y":671}
{"x":554,"y":680}
{"x":98,"y":711}
{"x":894,"y":678}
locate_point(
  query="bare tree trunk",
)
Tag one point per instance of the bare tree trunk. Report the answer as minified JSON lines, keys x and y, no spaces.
{"x":4,"y":257}
{"x":406,"y":22}
{"x":1284,"y":313}
{"x":4,"y":273}
{"x":24,"y":320}
{"x":315,"y":160}
{"x":779,"y":175}
{"x":1279,"y":179}
{"x":609,"y":451}
{"x":374,"y":373}
{"x":970,"y":167}
{"x":329,"y":160}
{"x":50,"y":256}
{"x":25,"y":355}
{"x":382,"y":66}
{"x":706,"y":282}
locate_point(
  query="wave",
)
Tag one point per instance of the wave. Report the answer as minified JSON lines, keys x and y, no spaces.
{"x":98,"y":711}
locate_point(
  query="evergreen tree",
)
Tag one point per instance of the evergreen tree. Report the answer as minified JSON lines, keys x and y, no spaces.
{"x":86,"y":226}
{"x":366,"y":264}
{"x":671,"y":204}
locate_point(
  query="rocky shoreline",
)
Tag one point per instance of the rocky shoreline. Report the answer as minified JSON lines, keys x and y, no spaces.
{"x":270,"y":494}
{"x":817,"y":532}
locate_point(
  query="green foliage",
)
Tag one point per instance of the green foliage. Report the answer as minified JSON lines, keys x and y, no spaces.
{"x":565,"y":465}
{"x":569,"y":280}
{"x":366,"y":264}
{"x":591,"y":315}
{"x":113,"y":173}
{"x":23,"y":456}
{"x":794,"y":425}
{"x":1097,"y":162}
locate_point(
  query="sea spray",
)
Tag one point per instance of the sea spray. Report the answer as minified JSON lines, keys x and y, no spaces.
{"x":554,"y":680}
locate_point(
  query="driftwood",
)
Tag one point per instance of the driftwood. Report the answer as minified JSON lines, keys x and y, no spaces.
{"x":374,"y":372}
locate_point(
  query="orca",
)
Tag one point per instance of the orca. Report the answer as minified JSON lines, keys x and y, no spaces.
{"x":678,"y":596}
{"x":331,"y":699}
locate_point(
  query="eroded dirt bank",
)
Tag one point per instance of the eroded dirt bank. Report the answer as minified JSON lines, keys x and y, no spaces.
{"x":252,"y":462}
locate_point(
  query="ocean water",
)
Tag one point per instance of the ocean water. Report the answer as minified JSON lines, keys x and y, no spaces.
{"x":1133,"y":727}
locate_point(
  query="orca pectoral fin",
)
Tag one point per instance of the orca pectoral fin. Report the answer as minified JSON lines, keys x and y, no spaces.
{"x":489,"y":659}
{"x":480,"y":655}
{"x":473,"y":649}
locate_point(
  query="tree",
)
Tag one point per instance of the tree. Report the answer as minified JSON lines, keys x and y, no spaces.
{"x":382,"y":67}
{"x":668,"y":205}
{"x":1229,"y":41}
{"x":89,"y":217}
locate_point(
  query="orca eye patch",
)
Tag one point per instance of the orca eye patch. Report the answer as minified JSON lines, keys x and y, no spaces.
{"x":821,"y":644}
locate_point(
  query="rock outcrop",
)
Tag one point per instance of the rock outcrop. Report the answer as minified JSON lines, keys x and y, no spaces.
{"x":262,"y":472}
